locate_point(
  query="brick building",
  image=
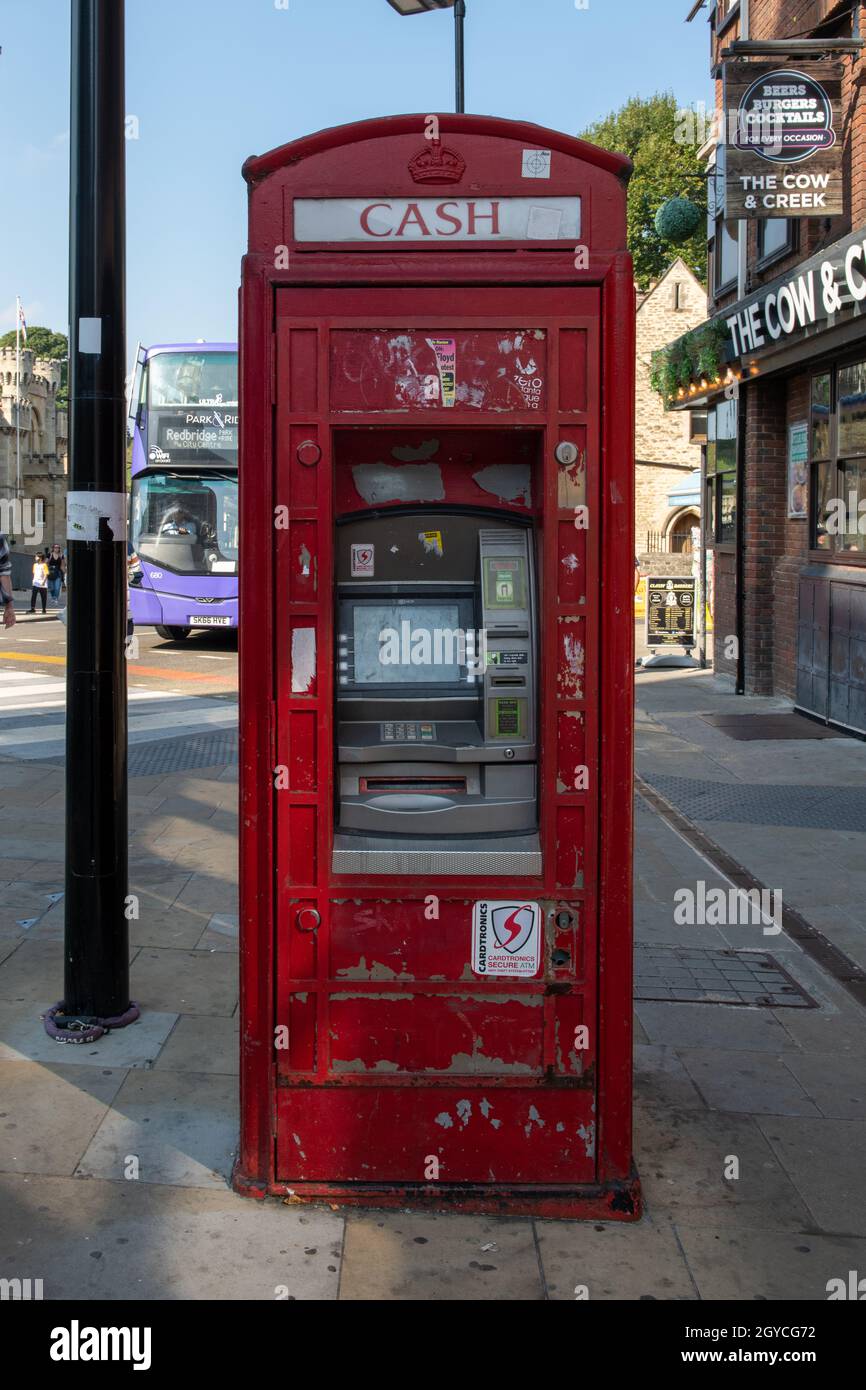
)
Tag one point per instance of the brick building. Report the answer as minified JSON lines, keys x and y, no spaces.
{"x":667,"y":444}
{"x":784,"y":480}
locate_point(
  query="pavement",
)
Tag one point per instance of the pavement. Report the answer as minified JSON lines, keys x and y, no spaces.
{"x":750,"y":1103}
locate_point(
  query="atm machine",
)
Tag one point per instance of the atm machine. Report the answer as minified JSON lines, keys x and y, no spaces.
{"x":436,"y":705}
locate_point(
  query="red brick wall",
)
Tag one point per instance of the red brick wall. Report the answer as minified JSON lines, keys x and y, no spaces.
{"x":764,"y":514}
{"x":787,"y":567}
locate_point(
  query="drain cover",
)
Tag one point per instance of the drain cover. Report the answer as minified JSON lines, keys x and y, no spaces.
{"x":688,"y":974}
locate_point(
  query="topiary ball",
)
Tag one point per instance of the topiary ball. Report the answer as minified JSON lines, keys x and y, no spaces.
{"x":677,"y":219}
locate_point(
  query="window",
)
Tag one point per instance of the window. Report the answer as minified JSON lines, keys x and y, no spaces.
{"x":722,"y":473}
{"x":775,"y":237}
{"x":697,"y":426}
{"x":838,"y":452}
{"x":679,"y":296}
{"x":726,"y":241}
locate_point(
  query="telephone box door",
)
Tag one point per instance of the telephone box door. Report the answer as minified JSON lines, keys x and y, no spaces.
{"x":417,"y":1046}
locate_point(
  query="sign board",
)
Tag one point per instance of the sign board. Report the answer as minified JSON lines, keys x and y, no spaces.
{"x":826,"y":290}
{"x":783,"y":155}
{"x":670,"y":612}
{"x":798,"y":469}
{"x":378,"y":221}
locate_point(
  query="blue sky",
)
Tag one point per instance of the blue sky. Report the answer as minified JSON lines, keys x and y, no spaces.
{"x":212,"y":81}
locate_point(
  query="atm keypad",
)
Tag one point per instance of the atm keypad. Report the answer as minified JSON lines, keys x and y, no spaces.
{"x":407,"y":732}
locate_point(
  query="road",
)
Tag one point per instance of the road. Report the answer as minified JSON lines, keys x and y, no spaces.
{"x":176,"y":689}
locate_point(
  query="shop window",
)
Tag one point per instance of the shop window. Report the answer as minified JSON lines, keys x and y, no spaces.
{"x":821,"y":416}
{"x":697,"y":426}
{"x":838,"y":446}
{"x":852,"y":409}
{"x":721,"y":497}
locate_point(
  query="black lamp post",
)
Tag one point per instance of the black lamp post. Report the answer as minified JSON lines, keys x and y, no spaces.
{"x":407,"y":7}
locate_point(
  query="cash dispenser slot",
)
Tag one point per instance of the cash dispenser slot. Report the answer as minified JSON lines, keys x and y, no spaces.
{"x":436,"y":661}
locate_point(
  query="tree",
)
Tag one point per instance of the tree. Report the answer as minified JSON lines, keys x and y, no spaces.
{"x":44,"y":342}
{"x":664,"y":167}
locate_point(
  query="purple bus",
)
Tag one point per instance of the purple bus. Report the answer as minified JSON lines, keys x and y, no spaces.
{"x":183,"y":513}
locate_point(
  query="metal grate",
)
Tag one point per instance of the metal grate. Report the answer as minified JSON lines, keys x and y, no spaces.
{"x":745,"y":727}
{"x":820,"y":808}
{"x":696,"y":975}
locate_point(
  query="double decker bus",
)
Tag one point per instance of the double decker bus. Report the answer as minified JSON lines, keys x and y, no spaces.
{"x":183,"y":550}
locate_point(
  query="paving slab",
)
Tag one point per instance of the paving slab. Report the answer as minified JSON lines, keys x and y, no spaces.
{"x":429,"y":1257}
{"x":222,"y":932}
{"x":202,"y":1044}
{"x":824,"y":1159}
{"x":180,"y":1128}
{"x":209,"y":893}
{"x":837,"y":1084}
{"x":127,"y":1240}
{"x":49,"y":1114}
{"x":747,"y":1083}
{"x":721,"y":1026}
{"x":682,"y":1156}
{"x":661,"y":1079}
{"x":751,"y":1264}
{"x":613,"y":1260}
{"x":173,"y":926}
{"x":185,"y":982}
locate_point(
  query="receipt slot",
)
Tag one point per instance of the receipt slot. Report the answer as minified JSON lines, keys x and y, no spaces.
{"x":437,"y":362}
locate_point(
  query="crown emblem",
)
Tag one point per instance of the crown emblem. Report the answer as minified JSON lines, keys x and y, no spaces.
{"x":436,"y":164}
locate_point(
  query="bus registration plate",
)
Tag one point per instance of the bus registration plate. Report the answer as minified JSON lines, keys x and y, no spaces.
{"x":209,"y":620}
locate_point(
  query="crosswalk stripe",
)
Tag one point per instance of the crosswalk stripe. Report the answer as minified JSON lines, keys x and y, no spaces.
{"x":33,"y":715}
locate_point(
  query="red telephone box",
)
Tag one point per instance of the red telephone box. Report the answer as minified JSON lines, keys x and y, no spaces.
{"x":437,"y":367}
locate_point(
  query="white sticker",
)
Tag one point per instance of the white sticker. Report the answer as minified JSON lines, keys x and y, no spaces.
{"x":363,"y":561}
{"x":90,"y":336}
{"x":544,"y":224}
{"x":506,"y":938}
{"x":96,"y":516}
{"x":536,"y":164}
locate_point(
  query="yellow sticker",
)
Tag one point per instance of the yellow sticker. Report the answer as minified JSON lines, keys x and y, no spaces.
{"x":432,"y":542}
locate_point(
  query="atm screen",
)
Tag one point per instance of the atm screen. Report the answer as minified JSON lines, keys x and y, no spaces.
{"x":404,"y":642}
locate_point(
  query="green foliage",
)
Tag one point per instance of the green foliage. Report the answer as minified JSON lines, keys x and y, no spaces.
{"x":664,"y":168}
{"x":44,"y":342}
{"x":697,"y":355}
{"x":677,"y":220}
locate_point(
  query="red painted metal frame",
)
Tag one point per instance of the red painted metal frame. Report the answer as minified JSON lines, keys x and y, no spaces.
{"x":616,"y":1191}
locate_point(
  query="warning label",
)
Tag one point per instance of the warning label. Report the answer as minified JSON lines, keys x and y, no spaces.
{"x":506,"y":938}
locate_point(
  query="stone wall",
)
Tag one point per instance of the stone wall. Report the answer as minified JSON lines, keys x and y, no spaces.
{"x":664,"y":453}
{"x":43,"y":445}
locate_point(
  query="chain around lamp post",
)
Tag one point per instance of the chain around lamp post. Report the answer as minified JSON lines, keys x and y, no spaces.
{"x":407,"y":7}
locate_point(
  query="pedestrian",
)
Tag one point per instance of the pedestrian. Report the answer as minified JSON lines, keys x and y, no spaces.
{"x":40,"y":583}
{"x":56,"y":574}
{"x":6,"y":583}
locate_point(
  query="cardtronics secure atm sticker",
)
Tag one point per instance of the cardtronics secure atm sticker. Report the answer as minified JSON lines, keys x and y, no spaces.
{"x":363,"y":561}
{"x":506,"y":938}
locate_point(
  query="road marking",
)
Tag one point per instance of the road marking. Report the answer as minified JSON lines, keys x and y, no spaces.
{"x":132,"y":668}
{"x":31,"y":728}
{"x":28,"y":656}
